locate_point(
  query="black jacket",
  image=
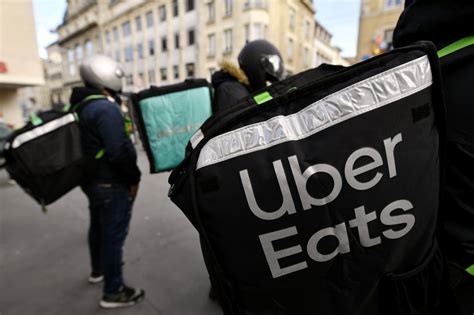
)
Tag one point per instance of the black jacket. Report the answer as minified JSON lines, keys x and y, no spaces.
{"x":227,"y":90}
{"x":444,"y":22}
{"x":102,"y":127}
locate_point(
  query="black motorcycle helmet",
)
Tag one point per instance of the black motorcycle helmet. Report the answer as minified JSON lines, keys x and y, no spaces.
{"x":261,"y":62}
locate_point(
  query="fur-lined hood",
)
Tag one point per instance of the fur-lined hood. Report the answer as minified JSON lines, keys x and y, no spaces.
{"x":230,"y":69}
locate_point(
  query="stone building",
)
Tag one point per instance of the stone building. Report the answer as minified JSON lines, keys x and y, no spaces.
{"x":166,"y":41}
{"x":323,"y":51}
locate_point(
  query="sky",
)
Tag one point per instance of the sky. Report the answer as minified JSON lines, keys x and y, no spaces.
{"x":339,"y":17}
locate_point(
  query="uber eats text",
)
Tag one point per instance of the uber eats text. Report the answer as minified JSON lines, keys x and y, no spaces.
{"x":362,"y":216}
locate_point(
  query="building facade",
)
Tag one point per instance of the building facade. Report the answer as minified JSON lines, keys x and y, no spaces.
{"x":378,"y":19}
{"x":20,"y":64}
{"x":323,"y":51}
{"x":162,"y":42}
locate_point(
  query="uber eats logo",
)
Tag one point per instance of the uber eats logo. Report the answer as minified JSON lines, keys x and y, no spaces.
{"x":362,"y":216}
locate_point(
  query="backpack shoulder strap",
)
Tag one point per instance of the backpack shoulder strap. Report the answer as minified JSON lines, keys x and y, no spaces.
{"x":79,"y":106}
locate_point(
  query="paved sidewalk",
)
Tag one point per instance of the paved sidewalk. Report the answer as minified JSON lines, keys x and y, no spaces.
{"x":44,"y":260}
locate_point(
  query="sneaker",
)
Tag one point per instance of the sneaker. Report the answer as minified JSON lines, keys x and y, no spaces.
{"x":95,"y":277}
{"x":126,"y":297}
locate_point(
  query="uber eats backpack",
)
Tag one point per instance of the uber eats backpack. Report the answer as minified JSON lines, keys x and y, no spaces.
{"x":167,"y":118}
{"x":319,"y":195}
{"x":45,"y":157}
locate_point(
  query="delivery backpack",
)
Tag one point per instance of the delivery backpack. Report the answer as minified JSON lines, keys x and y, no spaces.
{"x":167,"y":118}
{"x":319,"y":194}
{"x":45,"y":157}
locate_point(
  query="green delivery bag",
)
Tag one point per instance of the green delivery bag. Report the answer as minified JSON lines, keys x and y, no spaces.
{"x":167,"y":118}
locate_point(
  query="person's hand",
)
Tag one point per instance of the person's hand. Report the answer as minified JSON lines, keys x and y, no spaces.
{"x":133,"y":190}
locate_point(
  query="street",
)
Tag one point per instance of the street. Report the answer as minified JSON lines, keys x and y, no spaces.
{"x":44,"y":260}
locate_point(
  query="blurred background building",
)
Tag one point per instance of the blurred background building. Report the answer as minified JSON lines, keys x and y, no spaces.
{"x":166,"y":41}
{"x":20,"y":64}
{"x":378,"y":19}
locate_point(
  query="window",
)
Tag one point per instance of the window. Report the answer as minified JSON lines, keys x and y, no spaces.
{"x":388,"y":38}
{"x":116,"y":34}
{"x":151,"y":77}
{"x":70,"y":60}
{"x":190,"y":70}
{"x":151,"y":47}
{"x":126,"y":29}
{"x":164,"y":44}
{"x":89,"y":47}
{"x":141,"y":79}
{"x":306,"y":29}
{"x":162,"y":13}
{"x":191,"y":38}
{"x":290,"y":49}
{"x":247,"y":33}
{"x":292,"y":19}
{"x":138,"y":23}
{"x":164,"y":74}
{"x":175,"y":8}
{"x":117,"y":55}
{"x":128,"y":52}
{"x":176,"y":40}
{"x":212,"y":71}
{"x":107,"y":37}
{"x":249,"y":4}
{"x":211,"y":11}
{"x":149,"y":19}
{"x":391,"y":4}
{"x":228,"y":8}
{"x":228,"y":41}
{"x":129,"y":80}
{"x":211,"y":45}
{"x":140,"y":50}
{"x":79,"y":52}
{"x":265,"y":31}
{"x":258,"y":30}
{"x":176,"y":72}
{"x":305,"y":56}
{"x":189,"y":5}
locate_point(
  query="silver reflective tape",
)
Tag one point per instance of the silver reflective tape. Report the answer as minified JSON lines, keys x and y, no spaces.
{"x":196,"y":138}
{"x":42,"y":130}
{"x":357,"y":99}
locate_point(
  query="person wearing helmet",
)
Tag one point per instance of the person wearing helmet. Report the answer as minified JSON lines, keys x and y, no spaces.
{"x":448,"y":24}
{"x":112,"y":182}
{"x":260,"y":62}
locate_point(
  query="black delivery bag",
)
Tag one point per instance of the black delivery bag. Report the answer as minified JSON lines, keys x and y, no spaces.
{"x":167,"y":118}
{"x":319,"y":195}
{"x":45,"y":156}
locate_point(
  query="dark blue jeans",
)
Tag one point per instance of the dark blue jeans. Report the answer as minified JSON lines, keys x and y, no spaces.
{"x":110,"y":207}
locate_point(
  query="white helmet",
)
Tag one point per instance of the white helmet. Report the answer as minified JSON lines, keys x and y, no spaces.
{"x":100,"y":72}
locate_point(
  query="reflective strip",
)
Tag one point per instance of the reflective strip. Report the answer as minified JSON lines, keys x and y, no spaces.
{"x":196,"y":138}
{"x":357,"y":99}
{"x":100,"y":154}
{"x":42,"y":130}
{"x":470,"y":270}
